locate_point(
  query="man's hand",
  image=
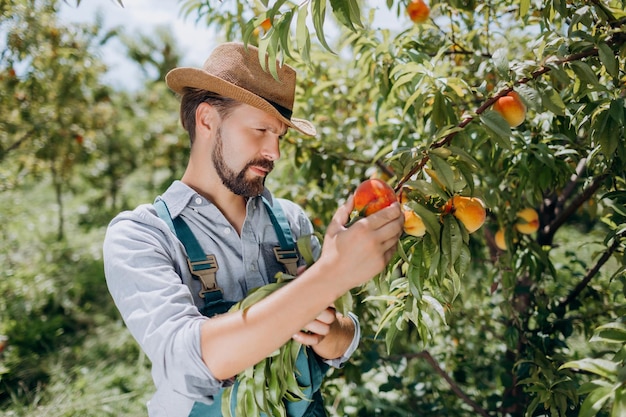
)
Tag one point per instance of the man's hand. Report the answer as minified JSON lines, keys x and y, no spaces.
{"x":356,"y":254}
{"x":315,"y":332}
{"x":329,"y":334}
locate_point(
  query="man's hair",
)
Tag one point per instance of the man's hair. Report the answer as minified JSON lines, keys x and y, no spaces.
{"x":192,"y":98}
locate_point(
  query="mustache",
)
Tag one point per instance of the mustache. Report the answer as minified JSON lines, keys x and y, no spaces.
{"x":263,"y":163}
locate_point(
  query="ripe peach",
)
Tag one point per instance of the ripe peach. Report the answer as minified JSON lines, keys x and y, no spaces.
{"x":266,"y":24}
{"x":373,"y":195}
{"x":511,"y":108}
{"x":500,"y":239}
{"x":529,"y":222}
{"x":413,"y":224}
{"x":418,"y":11}
{"x":468,"y":210}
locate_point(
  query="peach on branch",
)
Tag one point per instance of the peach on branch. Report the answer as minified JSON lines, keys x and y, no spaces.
{"x":418,"y":11}
{"x":529,"y":221}
{"x":500,"y":239}
{"x":266,"y":24}
{"x":511,"y":108}
{"x":373,"y":195}
{"x":413,"y":224}
{"x":468,"y":210}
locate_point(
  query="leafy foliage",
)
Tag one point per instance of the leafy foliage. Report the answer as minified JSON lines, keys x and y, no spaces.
{"x":455,"y":326}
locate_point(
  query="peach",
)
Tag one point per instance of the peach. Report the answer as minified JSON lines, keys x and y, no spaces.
{"x":511,"y":108}
{"x":373,"y":195}
{"x":418,"y":11}
{"x":468,"y":210}
{"x":529,"y":222}
{"x":266,"y":24}
{"x":500,"y":239}
{"x":413,"y":224}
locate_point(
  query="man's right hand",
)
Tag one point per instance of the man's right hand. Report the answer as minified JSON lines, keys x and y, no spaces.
{"x":356,"y":254}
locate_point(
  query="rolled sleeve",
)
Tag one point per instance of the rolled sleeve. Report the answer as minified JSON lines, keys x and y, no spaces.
{"x":156,"y":305}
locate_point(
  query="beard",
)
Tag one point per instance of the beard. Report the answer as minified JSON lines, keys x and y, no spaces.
{"x":237,"y":182}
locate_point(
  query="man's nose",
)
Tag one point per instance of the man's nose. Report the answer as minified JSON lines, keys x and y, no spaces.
{"x":271,"y":148}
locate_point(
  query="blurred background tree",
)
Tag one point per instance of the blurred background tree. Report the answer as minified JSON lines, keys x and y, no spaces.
{"x":523,"y":317}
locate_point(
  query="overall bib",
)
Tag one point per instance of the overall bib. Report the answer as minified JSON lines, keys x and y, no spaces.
{"x":310,"y":367}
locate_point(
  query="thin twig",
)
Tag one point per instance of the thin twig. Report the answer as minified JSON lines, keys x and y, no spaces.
{"x":617,"y":241}
{"x":453,"y":385}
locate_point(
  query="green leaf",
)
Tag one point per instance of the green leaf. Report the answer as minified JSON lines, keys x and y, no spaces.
{"x":585,"y":72}
{"x":524,"y":6}
{"x":305,"y":247}
{"x":614,"y":332}
{"x":497,"y":128}
{"x":303,"y":38}
{"x":551,"y":100}
{"x":594,"y":401}
{"x":601,"y":367}
{"x":501,"y":62}
{"x":430,"y":219}
{"x":436,"y":306}
{"x":319,"y":15}
{"x":607,"y":57}
{"x":443,"y":170}
{"x":347,"y":13}
{"x":619,"y":402}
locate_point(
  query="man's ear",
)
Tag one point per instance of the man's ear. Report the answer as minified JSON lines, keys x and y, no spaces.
{"x":207,"y":119}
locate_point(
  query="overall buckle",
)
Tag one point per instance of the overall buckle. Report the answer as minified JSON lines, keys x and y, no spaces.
{"x":289,"y":258}
{"x":205,"y":270}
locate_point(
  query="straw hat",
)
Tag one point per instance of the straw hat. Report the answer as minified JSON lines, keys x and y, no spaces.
{"x":233,"y":70}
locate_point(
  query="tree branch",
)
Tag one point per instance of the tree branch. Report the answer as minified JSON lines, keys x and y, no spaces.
{"x":489,"y":102}
{"x":571,"y":185}
{"x":453,"y":385}
{"x":550,"y":229}
{"x":617,"y":240}
{"x":15,"y":145}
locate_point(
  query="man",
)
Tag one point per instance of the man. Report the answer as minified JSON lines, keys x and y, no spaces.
{"x":235,"y":113}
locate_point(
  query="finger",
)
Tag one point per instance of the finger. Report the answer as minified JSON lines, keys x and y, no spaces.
{"x":341,"y":216}
{"x":318,"y":327}
{"x":389,"y":253}
{"x":308,"y":339}
{"x":391,"y":214}
{"x":300,"y":269}
{"x":327,"y":316}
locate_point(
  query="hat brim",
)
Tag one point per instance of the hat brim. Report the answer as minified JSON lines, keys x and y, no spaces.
{"x":180,"y":78}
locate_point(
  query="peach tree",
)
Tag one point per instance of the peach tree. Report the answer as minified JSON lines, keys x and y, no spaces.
{"x":518,"y":104}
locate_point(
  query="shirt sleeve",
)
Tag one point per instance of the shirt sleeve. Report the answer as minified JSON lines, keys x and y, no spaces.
{"x":157,"y":307}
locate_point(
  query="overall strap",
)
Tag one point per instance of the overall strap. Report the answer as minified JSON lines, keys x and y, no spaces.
{"x":286,"y":253}
{"x":203,"y":267}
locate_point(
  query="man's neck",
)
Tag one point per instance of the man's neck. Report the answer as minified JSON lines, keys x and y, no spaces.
{"x":232,"y":206}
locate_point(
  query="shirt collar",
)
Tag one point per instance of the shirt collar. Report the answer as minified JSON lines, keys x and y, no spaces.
{"x":179,"y":195}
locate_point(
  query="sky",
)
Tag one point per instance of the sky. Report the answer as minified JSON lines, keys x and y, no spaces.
{"x":141,"y":16}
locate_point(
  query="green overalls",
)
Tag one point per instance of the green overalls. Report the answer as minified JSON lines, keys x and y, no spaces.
{"x":311,"y":368}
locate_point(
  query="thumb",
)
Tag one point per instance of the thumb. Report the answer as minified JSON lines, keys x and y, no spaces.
{"x":341,"y":217}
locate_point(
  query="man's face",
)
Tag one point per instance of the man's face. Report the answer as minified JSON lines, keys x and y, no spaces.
{"x":246,"y":145}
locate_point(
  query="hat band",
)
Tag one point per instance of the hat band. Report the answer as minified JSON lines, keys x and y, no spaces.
{"x":284,"y":111}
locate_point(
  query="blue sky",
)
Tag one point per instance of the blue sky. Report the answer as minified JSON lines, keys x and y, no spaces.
{"x":141,"y":16}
